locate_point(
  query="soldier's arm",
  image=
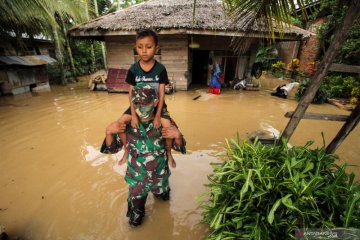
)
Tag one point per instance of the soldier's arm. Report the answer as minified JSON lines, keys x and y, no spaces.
{"x":112,"y":142}
{"x":179,"y":142}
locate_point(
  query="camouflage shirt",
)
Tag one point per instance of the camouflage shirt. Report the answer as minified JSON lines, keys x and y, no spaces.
{"x":147,"y":161}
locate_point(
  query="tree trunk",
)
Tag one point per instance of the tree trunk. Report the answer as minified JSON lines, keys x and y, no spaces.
{"x":349,"y":125}
{"x":353,"y":12}
{"x":92,"y":52}
{"x":102,"y":43}
{"x":59,"y":55}
{"x":72,"y":64}
{"x":96,"y":8}
{"x":68,"y":49}
{"x":103,"y":50}
{"x":93,"y":59}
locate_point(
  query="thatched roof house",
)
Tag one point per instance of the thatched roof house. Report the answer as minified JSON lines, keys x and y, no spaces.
{"x":185,"y":46}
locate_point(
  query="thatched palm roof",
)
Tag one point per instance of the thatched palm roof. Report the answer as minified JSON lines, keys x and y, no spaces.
{"x":175,"y":16}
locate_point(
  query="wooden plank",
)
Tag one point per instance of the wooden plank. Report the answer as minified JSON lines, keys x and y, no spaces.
{"x":340,"y":104}
{"x":336,"y":67}
{"x":349,"y":125}
{"x":320,"y":116}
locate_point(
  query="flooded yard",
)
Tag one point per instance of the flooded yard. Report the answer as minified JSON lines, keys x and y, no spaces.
{"x":55,"y":184}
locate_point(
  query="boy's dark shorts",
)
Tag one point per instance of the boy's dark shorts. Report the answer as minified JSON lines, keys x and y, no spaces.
{"x":165,"y":114}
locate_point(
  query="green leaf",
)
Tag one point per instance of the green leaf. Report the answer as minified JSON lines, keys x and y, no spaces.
{"x":350,"y":208}
{"x":288,"y":202}
{"x":309,"y":184}
{"x":309,"y":166}
{"x":272,"y":211}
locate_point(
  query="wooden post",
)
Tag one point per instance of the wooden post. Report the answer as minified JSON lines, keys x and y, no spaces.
{"x":353,"y":12}
{"x":349,"y":125}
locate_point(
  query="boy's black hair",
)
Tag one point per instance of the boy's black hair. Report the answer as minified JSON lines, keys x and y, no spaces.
{"x":147,"y":33}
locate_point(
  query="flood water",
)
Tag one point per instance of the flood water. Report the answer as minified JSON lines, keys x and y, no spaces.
{"x":55,"y":184}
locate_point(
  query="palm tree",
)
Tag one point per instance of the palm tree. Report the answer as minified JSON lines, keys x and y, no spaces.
{"x":68,"y":48}
{"x":92,"y":51}
{"x":34,"y":17}
{"x":102,"y":43}
{"x":274,"y":11}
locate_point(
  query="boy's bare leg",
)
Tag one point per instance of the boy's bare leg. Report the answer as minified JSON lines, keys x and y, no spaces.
{"x":168,"y":144}
{"x":124,"y":119}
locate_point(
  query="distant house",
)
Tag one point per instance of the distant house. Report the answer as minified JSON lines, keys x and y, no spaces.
{"x":186,"y":48}
{"x":23,"y":69}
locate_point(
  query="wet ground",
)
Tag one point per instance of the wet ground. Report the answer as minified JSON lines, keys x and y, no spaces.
{"x":55,"y":184}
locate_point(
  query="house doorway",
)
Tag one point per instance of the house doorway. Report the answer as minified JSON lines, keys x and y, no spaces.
{"x":200,"y":64}
{"x":229,"y":65}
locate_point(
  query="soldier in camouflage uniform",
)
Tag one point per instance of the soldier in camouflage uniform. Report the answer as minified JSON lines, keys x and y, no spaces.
{"x":147,"y":168}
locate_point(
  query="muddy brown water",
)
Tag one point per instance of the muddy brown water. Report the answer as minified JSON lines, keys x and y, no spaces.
{"x":55,"y":184}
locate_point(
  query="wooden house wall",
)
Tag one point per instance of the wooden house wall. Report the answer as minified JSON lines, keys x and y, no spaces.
{"x":3,"y":76}
{"x":212,"y":42}
{"x":21,"y":77}
{"x":288,"y":50}
{"x":120,"y":52}
{"x":44,"y":48}
{"x":174,"y":55}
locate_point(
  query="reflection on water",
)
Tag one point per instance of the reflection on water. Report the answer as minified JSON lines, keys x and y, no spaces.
{"x":55,"y":184}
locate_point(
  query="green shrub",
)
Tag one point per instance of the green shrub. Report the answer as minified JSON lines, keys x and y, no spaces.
{"x":320,"y":96}
{"x":54,"y":73}
{"x":266,"y":57}
{"x":340,"y":86}
{"x":268,"y":192}
{"x":278,"y":66}
{"x":83,"y":58}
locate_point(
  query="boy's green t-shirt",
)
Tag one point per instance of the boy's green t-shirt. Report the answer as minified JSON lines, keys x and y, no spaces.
{"x":155,"y":76}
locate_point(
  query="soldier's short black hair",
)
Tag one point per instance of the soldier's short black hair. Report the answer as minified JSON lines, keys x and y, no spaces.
{"x":147,"y":33}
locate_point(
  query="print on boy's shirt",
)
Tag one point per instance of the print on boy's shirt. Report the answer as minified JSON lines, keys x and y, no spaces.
{"x":147,"y":79}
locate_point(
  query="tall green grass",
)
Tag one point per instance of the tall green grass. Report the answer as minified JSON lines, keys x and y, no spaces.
{"x":267,"y":192}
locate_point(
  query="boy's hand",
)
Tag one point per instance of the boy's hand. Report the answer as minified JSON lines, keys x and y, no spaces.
{"x":171,"y":132}
{"x":157,"y":121}
{"x":115,"y":127}
{"x":135,"y":122}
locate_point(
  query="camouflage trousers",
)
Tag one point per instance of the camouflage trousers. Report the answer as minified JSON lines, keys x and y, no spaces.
{"x":138,"y":195}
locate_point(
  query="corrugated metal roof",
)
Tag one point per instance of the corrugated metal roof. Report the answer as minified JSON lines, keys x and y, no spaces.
{"x":31,"y":60}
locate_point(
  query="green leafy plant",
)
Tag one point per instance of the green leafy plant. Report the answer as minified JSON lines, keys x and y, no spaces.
{"x":268,"y":192}
{"x":350,"y":49}
{"x":266,"y":57}
{"x":278,"y":69}
{"x":320,"y":96}
{"x":355,"y":95}
{"x":82,"y":56}
{"x":54,"y":73}
{"x":278,"y":66}
{"x":341,"y":86}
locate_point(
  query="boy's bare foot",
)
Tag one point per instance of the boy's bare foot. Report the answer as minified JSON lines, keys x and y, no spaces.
{"x":124,"y":158}
{"x":171,"y":160}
